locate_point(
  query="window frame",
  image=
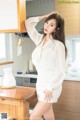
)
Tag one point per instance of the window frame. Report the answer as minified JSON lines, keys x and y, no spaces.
{"x":7,"y":48}
{"x":70,"y":43}
{"x":74,"y":47}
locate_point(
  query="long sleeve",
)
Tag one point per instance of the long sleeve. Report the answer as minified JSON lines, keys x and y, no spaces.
{"x":59,"y":71}
{"x":52,"y":67}
{"x":30,"y":24}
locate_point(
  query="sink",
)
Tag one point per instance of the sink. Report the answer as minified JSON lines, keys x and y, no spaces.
{"x":32,"y":73}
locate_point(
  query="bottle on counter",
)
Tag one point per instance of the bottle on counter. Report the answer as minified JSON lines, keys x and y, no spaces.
{"x":30,"y":66}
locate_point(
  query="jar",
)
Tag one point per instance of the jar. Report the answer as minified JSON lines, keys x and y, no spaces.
{"x":8,"y":78}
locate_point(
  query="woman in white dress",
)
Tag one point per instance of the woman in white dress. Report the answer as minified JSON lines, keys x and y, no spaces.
{"x":49,"y":60}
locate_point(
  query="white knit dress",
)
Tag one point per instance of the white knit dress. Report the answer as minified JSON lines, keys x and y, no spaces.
{"x":49,"y":61}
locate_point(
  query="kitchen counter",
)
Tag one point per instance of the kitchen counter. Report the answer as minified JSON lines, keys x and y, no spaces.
{"x":16,"y":101}
{"x":70,"y":78}
{"x":26,"y":75}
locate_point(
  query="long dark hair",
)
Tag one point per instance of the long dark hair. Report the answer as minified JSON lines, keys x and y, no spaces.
{"x":59,"y":31}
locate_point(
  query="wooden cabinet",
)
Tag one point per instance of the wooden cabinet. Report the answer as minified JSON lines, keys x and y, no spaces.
{"x":16,"y":101}
{"x":12,"y":15}
{"x":68,"y":106}
{"x":16,"y":109}
{"x":70,"y":11}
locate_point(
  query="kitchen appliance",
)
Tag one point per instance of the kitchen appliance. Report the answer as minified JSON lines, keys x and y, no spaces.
{"x":27,"y":80}
{"x":33,"y":82}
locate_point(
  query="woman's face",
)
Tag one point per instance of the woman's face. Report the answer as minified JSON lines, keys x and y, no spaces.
{"x":50,"y":26}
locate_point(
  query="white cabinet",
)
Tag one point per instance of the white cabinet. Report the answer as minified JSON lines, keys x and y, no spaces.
{"x":12,"y":15}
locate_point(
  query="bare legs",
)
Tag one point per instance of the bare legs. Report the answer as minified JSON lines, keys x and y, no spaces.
{"x":40,"y":109}
{"x":49,"y":115}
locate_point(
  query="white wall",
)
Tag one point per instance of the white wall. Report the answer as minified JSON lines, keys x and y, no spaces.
{"x":21,"y":61}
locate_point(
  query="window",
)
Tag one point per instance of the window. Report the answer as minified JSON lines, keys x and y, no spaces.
{"x":73,"y":46}
{"x":73,"y":59}
{"x":2,"y":46}
{"x":5,"y":47}
{"x":5,"y":50}
{"x":77,"y":50}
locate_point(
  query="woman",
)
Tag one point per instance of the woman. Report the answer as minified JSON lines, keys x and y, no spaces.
{"x":49,"y":60}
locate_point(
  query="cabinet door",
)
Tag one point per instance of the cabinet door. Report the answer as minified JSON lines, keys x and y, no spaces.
{"x":19,"y":81}
{"x":26,"y":82}
{"x":12,"y":15}
{"x":70,"y":11}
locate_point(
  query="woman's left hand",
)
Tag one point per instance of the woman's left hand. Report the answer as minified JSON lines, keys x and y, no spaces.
{"x":48,"y":94}
{"x":54,"y":12}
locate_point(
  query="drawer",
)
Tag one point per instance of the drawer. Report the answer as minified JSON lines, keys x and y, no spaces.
{"x":19,"y":81}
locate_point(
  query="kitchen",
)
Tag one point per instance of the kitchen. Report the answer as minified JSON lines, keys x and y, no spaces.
{"x":68,"y":107}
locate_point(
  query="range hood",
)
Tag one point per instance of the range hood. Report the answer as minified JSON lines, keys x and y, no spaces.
{"x":25,"y":34}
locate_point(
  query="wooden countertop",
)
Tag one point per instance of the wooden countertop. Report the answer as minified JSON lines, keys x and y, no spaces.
{"x":19,"y":93}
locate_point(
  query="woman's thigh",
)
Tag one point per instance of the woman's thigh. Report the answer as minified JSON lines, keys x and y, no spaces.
{"x":40,"y":109}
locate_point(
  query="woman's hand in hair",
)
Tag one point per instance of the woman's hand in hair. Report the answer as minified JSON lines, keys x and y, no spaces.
{"x":54,"y":12}
{"x":45,"y":16}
